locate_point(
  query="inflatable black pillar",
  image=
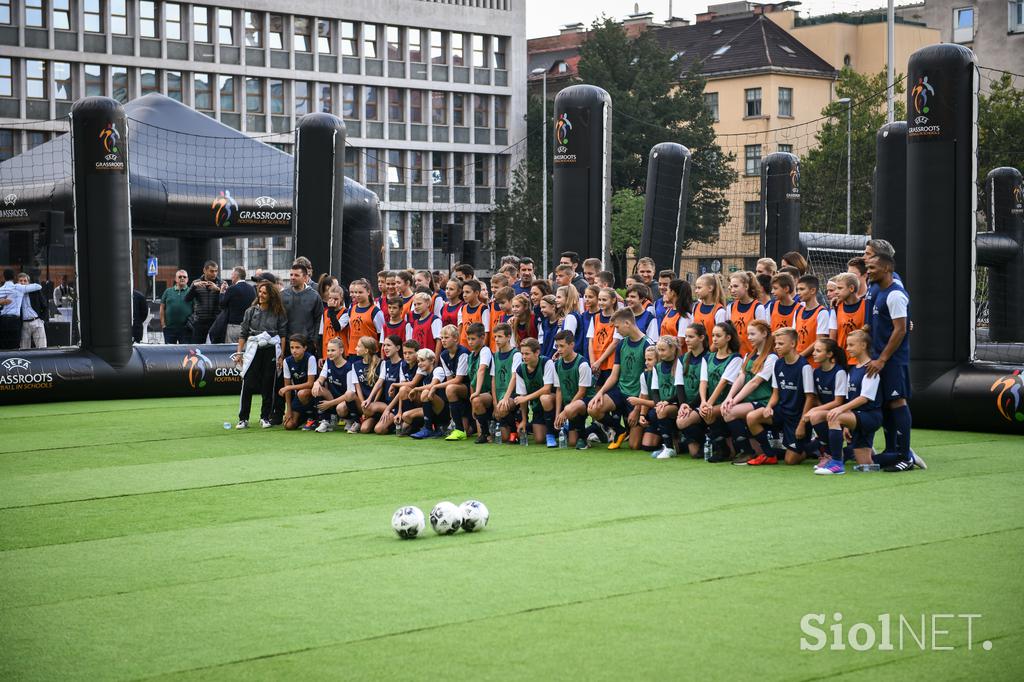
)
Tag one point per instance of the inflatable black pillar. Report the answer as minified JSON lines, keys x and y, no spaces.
{"x":99,"y":144}
{"x":319,"y":190}
{"x":668,"y":192}
{"x":1005,"y":209}
{"x":940,"y":209}
{"x":582,"y":172}
{"x":889,"y":201}
{"x":193,"y":253}
{"x":780,"y":204}
{"x":362,"y":248}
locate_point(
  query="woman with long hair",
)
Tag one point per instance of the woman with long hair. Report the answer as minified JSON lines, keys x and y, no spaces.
{"x":262,"y":344}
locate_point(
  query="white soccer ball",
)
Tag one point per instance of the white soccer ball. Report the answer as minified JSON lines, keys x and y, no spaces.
{"x":445,"y":518}
{"x":474,"y":515}
{"x":408,"y":522}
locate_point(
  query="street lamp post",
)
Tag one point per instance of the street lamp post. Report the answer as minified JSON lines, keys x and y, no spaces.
{"x":849,"y":181}
{"x":544,"y":172}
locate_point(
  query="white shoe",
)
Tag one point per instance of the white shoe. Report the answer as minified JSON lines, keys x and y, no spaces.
{"x":324,"y":426}
{"x":593,"y":438}
{"x":352,"y":426}
{"x":665,"y":453}
{"x":242,"y":424}
{"x":918,"y":462}
{"x":265,"y":424}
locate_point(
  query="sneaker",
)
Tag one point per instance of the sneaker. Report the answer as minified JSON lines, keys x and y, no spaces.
{"x":423,"y":433}
{"x":437,"y":433}
{"x":265,"y":424}
{"x":583,"y":444}
{"x":918,"y":462}
{"x":351,"y":426}
{"x":905,"y":465}
{"x":242,"y":424}
{"x":834,"y":467}
{"x":655,"y":453}
{"x":324,"y":426}
{"x":665,"y":453}
{"x":719,"y":457}
{"x":592,"y":438}
{"x":482,"y":438}
{"x":456,"y":434}
{"x":309,"y":425}
{"x":619,"y":440}
{"x":743,"y":460}
{"x":762,"y":460}
{"x":551,"y":441}
{"x":513,"y":438}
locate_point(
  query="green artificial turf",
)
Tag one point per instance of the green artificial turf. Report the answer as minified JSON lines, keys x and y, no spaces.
{"x":140,"y":539}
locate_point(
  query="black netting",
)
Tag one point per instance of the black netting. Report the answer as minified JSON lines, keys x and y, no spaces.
{"x":35,"y":202}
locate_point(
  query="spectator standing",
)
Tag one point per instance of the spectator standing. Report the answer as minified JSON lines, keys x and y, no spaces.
{"x":205,"y":294}
{"x":174,"y":309}
{"x":234,"y":302}
{"x":34,"y":313}
{"x":303,"y":304}
{"x":12,"y":294}
{"x":140,"y":311}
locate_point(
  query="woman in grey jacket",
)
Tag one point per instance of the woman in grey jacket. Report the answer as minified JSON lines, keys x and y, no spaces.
{"x":262,"y":342}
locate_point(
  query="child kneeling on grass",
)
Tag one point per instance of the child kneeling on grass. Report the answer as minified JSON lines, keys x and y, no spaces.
{"x":299,"y":371}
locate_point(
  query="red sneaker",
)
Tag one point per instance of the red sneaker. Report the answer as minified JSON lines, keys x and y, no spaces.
{"x":762,"y":460}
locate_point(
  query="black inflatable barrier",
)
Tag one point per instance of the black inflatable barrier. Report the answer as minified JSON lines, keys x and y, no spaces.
{"x":889,"y":199}
{"x":362,"y":252}
{"x":103,"y":242}
{"x":49,"y":375}
{"x":780,"y":204}
{"x":1002,"y":250}
{"x":319,"y":198}
{"x":582,"y":171}
{"x":193,"y":252}
{"x":668,"y":193}
{"x":940,"y":206}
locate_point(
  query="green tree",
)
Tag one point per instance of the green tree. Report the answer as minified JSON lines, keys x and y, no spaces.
{"x":652,"y":102}
{"x":1000,"y":127}
{"x":627,"y":224}
{"x":823,"y":168}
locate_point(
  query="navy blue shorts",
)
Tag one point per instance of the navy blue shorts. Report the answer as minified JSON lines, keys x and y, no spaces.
{"x":298,"y":406}
{"x":652,"y":421}
{"x":868,"y":423}
{"x":617,"y":397}
{"x":785,"y":425}
{"x":894,"y":382}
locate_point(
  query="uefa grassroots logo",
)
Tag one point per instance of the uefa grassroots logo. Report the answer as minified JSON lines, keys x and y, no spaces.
{"x":562,"y":129}
{"x":18,"y":375}
{"x":1010,"y":398}
{"x":196,"y":363}
{"x":921,"y":92}
{"x":110,"y":138}
{"x":224,"y":207}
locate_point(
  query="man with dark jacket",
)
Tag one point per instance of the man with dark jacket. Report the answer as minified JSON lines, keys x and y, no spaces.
{"x":234,"y":301}
{"x":205,"y":293}
{"x":572,"y":259}
{"x":140,"y":311}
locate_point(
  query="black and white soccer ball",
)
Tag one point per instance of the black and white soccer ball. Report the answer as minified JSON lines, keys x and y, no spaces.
{"x":445,"y":518}
{"x":474,"y":515}
{"x":408,"y":522}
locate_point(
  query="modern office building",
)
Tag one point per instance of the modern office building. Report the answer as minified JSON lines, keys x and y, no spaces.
{"x":430,"y":91}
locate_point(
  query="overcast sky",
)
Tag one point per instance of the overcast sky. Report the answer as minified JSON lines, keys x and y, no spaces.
{"x":545,"y":17}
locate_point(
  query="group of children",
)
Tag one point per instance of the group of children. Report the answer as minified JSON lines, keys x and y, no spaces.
{"x":771,"y":375}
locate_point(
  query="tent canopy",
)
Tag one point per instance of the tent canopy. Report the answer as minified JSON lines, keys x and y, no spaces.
{"x":190,"y":176}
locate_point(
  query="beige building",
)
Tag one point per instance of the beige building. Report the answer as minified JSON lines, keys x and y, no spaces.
{"x":858,"y":41}
{"x":765,"y":89}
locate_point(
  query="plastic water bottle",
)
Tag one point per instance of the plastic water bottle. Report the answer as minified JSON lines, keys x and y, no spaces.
{"x":708,"y":448}
{"x":563,"y":437}
{"x":524,"y":438}
{"x":227,"y":426}
{"x":495,"y":433}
